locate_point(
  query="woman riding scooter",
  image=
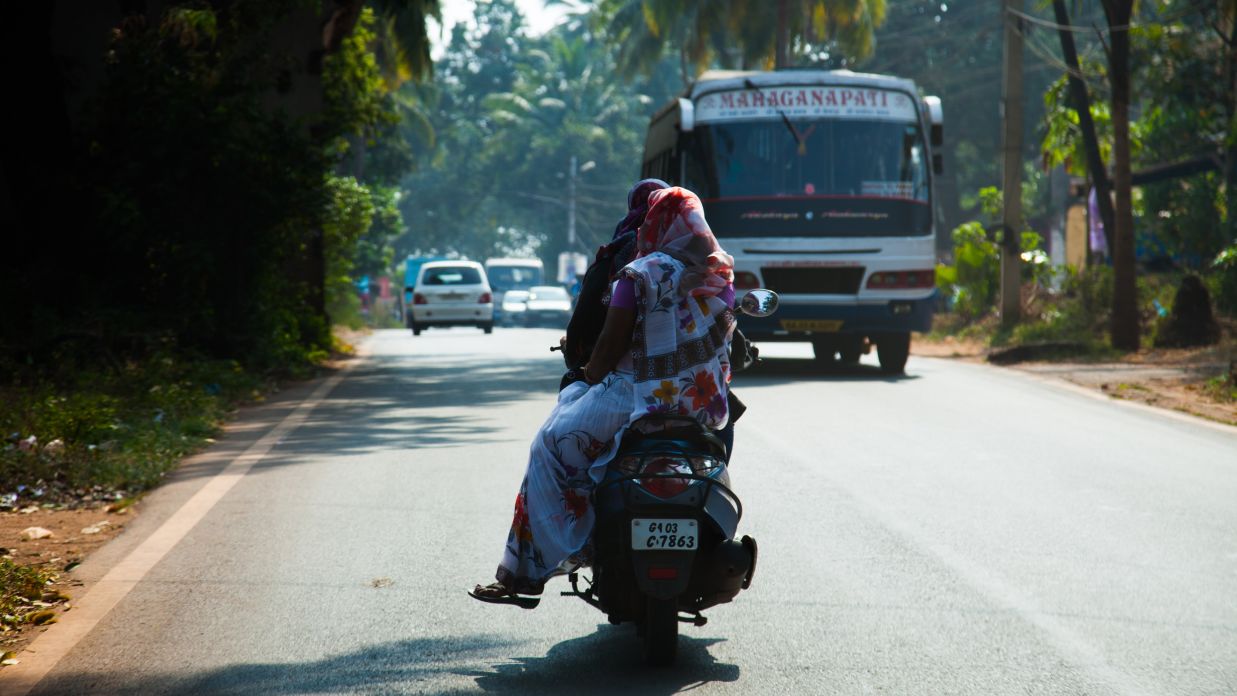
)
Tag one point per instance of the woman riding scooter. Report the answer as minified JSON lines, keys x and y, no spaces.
{"x":663,"y":348}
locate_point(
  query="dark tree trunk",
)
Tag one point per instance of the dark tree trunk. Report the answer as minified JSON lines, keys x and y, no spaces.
{"x":1124,"y":326}
{"x":1229,"y":36}
{"x":1082,"y":105}
{"x":782,"y":59}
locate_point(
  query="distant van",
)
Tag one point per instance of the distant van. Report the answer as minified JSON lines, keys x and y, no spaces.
{"x":512,"y":274}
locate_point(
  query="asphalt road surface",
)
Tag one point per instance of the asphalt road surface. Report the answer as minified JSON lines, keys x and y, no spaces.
{"x":959,"y":530}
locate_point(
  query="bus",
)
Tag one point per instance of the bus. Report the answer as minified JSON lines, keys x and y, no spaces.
{"x":819,"y":183}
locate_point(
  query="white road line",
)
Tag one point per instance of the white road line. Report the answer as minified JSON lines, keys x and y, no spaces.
{"x":47,"y":650}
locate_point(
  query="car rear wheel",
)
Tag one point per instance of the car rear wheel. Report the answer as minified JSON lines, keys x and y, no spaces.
{"x":488,"y":328}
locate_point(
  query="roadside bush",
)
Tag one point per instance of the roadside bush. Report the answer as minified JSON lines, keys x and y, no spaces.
{"x":20,"y":587}
{"x":1225,"y":265}
{"x":1079,"y":313}
{"x":111,"y":431}
{"x":970,"y":286}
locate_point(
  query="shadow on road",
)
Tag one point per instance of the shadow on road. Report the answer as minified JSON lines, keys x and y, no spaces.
{"x":774,"y":371}
{"x":400,"y":403}
{"x":398,"y":667}
{"x":608,"y":661}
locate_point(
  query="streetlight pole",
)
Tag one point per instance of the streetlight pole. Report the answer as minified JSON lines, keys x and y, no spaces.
{"x":571,"y":205}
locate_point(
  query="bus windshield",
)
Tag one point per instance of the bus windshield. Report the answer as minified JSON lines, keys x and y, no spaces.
{"x":814,"y":177}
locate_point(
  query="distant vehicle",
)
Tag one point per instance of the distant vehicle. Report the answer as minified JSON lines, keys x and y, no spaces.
{"x":547,"y":305}
{"x":412,"y":268}
{"x":512,"y":274}
{"x":452,"y":293}
{"x":513,"y":306}
{"x":819,"y":183}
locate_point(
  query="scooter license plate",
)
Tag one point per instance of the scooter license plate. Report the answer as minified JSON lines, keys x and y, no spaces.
{"x":664,"y":535}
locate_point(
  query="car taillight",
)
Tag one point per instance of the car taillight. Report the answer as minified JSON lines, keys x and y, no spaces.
{"x":486,"y":298}
{"x":745,"y":280}
{"x":418,"y":298}
{"x":902,"y":280}
{"x":661,"y":484}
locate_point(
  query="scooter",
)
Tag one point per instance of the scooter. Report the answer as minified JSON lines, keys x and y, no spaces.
{"x":664,"y":543}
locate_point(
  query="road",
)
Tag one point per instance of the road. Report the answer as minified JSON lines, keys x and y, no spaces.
{"x":962,"y":530}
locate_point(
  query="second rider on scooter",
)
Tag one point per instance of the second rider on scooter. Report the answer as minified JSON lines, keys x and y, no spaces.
{"x":668,"y":353}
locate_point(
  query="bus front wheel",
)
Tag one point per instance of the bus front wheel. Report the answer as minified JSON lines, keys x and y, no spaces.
{"x":892,"y":350}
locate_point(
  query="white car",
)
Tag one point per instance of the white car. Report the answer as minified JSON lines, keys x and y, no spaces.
{"x":452,"y":293}
{"x":513,"y":305}
{"x":547,"y":305}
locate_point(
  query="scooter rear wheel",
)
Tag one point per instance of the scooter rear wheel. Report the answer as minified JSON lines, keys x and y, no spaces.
{"x":661,"y":632}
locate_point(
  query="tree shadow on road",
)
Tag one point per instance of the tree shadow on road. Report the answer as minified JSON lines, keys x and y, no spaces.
{"x":608,"y":661}
{"x":407,"y":666}
{"x":395,"y":403}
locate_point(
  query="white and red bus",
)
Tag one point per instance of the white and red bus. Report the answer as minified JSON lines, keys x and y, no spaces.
{"x":819,"y":183}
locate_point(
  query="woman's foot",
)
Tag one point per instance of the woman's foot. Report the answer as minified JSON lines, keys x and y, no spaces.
{"x":498,"y":593}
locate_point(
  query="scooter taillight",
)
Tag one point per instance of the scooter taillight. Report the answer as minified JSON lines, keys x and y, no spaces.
{"x":660,"y":483}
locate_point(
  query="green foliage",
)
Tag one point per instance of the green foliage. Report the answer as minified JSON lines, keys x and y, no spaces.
{"x":971,"y":283}
{"x":348,"y":216}
{"x":1225,"y":265}
{"x":1078,"y":314}
{"x":20,"y":587}
{"x":1062,"y":142}
{"x":191,"y":199}
{"x":736,"y":33}
{"x":120,"y":428}
{"x":508,"y":112}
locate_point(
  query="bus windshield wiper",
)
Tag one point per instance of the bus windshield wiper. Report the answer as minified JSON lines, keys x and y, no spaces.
{"x":794,"y":133}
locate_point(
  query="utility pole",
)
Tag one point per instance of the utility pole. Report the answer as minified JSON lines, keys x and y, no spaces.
{"x":1011,"y":116}
{"x":571,"y":206}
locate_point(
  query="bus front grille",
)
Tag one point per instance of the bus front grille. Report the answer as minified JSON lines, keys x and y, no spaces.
{"x":813,"y":281}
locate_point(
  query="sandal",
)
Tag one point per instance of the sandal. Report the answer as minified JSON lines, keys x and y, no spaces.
{"x":498,"y":593}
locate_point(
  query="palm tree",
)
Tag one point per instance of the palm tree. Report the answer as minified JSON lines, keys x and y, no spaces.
{"x":735,"y":33}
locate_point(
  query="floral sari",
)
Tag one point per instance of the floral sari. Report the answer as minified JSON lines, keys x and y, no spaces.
{"x":677,"y":364}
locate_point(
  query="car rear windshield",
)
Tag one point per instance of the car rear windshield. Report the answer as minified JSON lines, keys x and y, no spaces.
{"x":548,"y":294}
{"x":452,"y":275}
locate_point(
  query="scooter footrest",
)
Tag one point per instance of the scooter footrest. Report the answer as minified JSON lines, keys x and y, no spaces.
{"x":696,"y":619}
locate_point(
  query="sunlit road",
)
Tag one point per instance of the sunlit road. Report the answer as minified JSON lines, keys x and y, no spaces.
{"x":961,"y":530}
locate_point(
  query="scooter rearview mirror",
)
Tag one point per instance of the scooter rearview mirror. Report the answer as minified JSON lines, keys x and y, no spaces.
{"x":759,"y":303}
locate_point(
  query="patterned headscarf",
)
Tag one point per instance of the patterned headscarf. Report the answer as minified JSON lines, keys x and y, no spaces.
{"x":675,"y":225}
{"x":638,"y":205}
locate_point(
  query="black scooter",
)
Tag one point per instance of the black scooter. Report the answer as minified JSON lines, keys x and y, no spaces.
{"x":665,"y":545}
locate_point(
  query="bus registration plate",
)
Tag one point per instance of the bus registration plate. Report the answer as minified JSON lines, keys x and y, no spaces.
{"x":816,"y":325}
{"x":663,"y":535}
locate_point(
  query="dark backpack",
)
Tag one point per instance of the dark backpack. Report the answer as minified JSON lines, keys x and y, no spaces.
{"x":590,"y":312}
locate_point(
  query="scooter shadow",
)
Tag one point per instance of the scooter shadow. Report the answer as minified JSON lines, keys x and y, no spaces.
{"x":611,"y":660}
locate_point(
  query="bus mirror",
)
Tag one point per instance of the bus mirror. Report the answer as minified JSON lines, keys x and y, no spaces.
{"x":936,"y":117}
{"x":687,"y":115}
{"x":938,"y":163}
